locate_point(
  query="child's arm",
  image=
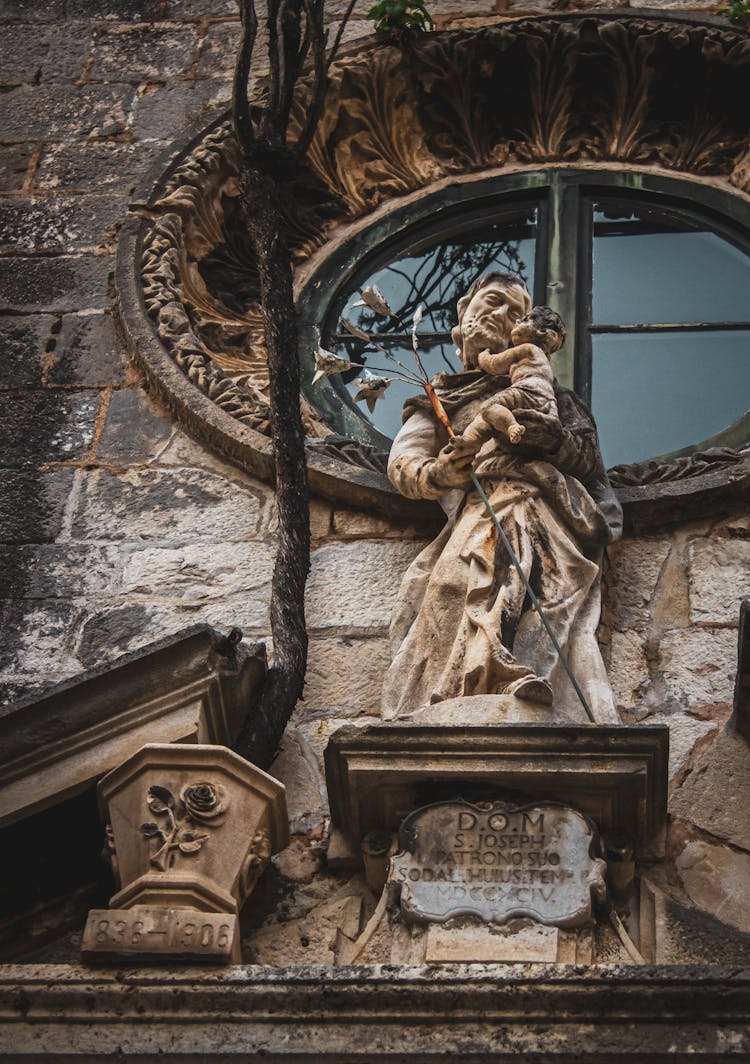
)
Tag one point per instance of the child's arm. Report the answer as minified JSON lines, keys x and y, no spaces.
{"x":498,"y":365}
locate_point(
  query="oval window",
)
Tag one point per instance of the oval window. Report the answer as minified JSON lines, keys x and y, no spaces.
{"x":653,"y":290}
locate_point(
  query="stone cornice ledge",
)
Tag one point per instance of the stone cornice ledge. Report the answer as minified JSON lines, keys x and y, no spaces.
{"x":352,"y":1014}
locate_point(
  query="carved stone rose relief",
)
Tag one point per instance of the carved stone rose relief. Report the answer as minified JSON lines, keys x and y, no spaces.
{"x":665,"y":94}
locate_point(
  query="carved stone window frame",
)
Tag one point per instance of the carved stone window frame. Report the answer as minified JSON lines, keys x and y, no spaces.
{"x":430,"y":134}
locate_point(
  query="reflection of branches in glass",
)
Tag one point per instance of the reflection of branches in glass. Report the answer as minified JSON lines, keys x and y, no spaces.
{"x":439,"y":278}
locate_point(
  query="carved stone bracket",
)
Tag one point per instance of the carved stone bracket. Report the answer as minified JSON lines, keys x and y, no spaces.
{"x":653,"y":92}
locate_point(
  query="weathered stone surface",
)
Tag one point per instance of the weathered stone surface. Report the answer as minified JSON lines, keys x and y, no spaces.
{"x":65,"y":112}
{"x":497,"y":862}
{"x":355,"y":584}
{"x":108,"y":166}
{"x":59,"y":223}
{"x":396,"y":1013}
{"x":37,"y":640}
{"x":628,"y":669}
{"x":30,"y":11}
{"x":54,"y":283}
{"x":636,"y":564}
{"x":22,"y":54}
{"x":346,"y":672}
{"x":716,"y":795}
{"x":160,"y":112}
{"x":699,"y":666}
{"x":218,"y":49}
{"x":144,"y":52}
{"x":134,"y":431}
{"x":59,"y":571}
{"x":32,"y":505}
{"x":14,"y":165}
{"x":107,"y":633}
{"x":87,"y":351}
{"x":716,"y":880}
{"x":194,"y":573}
{"x":192,"y":828}
{"x":684,"y":734}
{"x":690,"y":936}
{"x":42,"y":426}
{"x":22,"y":343}
{"x":356,"y":524}
{"x":297,"y":768}
{"x":154,"y":504}
{"x":478,"y":945}
{"x":148,"y":933}
{"x":719,"y":579}
{"x":310,"y":939}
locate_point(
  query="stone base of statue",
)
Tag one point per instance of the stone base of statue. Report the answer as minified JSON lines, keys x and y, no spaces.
{"x":483,"y":823}
{"x":487,"y":747}
{"x":190,"y":830}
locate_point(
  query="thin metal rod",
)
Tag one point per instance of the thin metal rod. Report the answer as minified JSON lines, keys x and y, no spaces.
{"x":534,"y":600}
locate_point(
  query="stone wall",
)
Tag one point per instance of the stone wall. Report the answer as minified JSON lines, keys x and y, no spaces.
{"x":118,"y":528}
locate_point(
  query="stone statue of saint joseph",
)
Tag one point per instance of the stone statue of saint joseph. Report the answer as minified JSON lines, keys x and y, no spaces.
{"x":464,"y":624}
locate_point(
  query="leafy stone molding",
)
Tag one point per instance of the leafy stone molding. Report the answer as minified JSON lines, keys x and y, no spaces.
{"x":648,"y":92}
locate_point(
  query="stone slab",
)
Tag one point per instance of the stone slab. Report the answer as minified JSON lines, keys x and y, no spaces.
{"x":55,"y":745}
{"x":615,"y":774}
{"x":497,"y":861}
{"x":482,"y":945}
{"x":408,"y":1014}
{"x":150,"y":935}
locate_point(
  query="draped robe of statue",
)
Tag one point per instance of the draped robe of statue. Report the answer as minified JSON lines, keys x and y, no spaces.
{"x":463,"y":624}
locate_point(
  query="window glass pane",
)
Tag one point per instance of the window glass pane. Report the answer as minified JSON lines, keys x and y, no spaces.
{"x":386,"y":417}
{"x":439,"y":273}
{"x":652,"y":267}
{"x":652,"y":394}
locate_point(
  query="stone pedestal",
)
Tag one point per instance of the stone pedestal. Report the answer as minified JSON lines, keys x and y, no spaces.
{"x":191,"y":829}
{"x":499,"y":818}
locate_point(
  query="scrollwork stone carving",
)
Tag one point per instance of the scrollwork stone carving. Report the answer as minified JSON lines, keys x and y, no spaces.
{"x":593,"y":89}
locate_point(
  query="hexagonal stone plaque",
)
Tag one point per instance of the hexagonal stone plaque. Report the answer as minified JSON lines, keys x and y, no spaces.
{"x":496,"y":861}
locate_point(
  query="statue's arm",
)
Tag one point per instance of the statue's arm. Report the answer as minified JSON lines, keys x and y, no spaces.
{"x":420,"y":466}
{"x":571,"y":443}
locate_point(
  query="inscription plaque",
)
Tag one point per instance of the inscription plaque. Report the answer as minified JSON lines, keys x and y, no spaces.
{"x":498,"y":861}
{"x":152,"y":934}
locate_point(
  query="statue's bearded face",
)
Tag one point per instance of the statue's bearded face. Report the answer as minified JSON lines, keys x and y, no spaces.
{"x":485,"y":320}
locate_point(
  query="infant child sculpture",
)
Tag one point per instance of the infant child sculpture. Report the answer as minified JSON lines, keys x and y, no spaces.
{"x":464,"y":624}
{"x":534,"y":339}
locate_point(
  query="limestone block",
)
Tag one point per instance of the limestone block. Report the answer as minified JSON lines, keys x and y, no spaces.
{"x":699,"y":666}
{"x":355,"y":584}
{"x":297,"y":767}
{"x":54,"y":283}
{"x":716,"y":880}
{"x":628,"y":669}
{"x":34,"y":640}
{"x":684,"y":734}
{"x":346,"y":671}
{"x":719,"y":572}
{"x":166,"y":504}
{"x":355,"y":523}
{"x":309,"y":940}
{"x":716,"y":795}
{"x":636,"y":565}
{"x":198,"y":572}
{"x":135,"y":430}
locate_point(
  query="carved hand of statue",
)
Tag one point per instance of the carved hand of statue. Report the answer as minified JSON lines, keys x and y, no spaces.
{"x":544,"y":433}
{"x":452,"y":467}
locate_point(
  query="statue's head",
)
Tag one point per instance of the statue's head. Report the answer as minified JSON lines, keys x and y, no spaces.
{"x":493,"y":304}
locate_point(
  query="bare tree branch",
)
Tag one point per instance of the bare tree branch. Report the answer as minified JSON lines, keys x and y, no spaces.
{"x":243,"y":124}
{"x":265,"y":156}
{"x":340,"y":33}
{"x":320,"y":81}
